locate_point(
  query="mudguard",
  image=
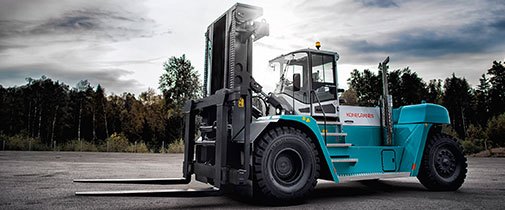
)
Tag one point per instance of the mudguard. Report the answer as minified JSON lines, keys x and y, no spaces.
{"x":412,"y":124}
{"x":421,"y":113}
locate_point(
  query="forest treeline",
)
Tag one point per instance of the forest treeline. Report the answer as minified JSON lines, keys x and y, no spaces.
{"x":477,"y":114}
{"x":45,"y":114}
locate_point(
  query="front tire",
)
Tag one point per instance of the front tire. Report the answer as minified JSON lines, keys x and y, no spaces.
{"x":286,"y":166}
{"x":443,"y":167}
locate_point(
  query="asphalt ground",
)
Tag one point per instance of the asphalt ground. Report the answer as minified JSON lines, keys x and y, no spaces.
{"x":43,"y":180}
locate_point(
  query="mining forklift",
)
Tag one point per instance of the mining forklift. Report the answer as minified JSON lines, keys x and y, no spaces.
{"x":275,"y":146}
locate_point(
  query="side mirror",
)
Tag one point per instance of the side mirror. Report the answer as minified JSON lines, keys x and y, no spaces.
{"x":296,"y":82}
{"x":340,"y":90}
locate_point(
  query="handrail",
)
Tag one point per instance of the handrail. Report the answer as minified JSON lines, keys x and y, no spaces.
{"x":324,"y":114}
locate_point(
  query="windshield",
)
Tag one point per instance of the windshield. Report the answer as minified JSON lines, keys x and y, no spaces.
{"x":296,"y":63}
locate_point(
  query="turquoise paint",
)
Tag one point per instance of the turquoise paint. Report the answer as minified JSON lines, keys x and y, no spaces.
{"x":330,"y":129}
{"x":369,"y":159}
{"x":389,"y":160}
{"x":413,"y":138}
{"x":362,"y":135}
{"x":312,"y":125}
{"x":411,"y":128}
{"x":421,"y":113}
{"x":412,"y":125}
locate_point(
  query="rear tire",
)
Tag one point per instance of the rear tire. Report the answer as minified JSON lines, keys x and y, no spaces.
{"x":286,"y":166}
{"x":443,"y":167}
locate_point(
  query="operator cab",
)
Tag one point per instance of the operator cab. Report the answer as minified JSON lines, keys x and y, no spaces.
{"x":308,"y":83}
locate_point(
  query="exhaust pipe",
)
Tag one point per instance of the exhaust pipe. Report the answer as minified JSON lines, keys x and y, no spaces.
{"x":386,"y":106}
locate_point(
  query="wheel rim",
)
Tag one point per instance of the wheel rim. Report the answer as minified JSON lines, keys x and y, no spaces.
{"x":287,"y":166}
{"x":446,"y":164}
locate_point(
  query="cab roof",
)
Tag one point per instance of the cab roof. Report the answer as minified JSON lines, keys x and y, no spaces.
{"x":308,"y":50}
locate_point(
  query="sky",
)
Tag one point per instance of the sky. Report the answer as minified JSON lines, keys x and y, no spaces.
{"x":122,"y":44}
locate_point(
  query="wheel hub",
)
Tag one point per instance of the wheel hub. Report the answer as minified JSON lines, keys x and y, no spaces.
{"x":445,"y":163}
{"x":288,"y":166}
{"x":284,"y":166}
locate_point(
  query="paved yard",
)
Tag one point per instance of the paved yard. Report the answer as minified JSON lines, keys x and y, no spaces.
{"x":43,"y":180}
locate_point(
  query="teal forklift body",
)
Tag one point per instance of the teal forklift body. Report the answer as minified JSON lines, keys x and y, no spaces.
{"x":411,"y":125}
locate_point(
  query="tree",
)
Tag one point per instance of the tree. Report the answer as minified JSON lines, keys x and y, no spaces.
{"x":497,"y":89}
{"x":179,"y":83}
{"x":82,"y":103}
{"x":435,"y":92}
{"x":496,"y":130}
{"x":404,"y":85}
{"x":100,"y":130}
{"x":350,"y":97}
{"x":457,"y":99}
{"x":154,"y":119}
{"x":366,"y":85}
{"x":481,"y":105}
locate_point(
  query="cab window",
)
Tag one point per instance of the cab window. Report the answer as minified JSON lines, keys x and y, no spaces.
{"x":297,"y":63}
{"x":323,"y":77}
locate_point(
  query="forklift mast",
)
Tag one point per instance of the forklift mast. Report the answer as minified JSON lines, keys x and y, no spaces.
{"x":223,"y":149}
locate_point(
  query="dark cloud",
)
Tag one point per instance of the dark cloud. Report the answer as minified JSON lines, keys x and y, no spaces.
{"x":78,"y":25}
{"x":378,"y":3}
{"x":478,"y":37}
{"x":109,"y":78}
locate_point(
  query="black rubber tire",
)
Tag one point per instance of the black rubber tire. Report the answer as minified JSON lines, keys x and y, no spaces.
{"x":443,"y":167}
{"x":286,"y":166}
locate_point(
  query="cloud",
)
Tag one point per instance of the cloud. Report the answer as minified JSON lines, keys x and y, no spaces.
{"x":93,"y":25}
{"x":408,"y":29}
{"x":75,"y":40}
{"x":378,"y":3}
{"x":113,"y":79}
{"x":477,"y":37}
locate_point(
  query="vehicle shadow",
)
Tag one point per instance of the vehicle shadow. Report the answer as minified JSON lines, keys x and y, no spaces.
{"x":323,"y":193}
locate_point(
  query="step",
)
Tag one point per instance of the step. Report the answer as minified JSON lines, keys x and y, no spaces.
{"x":372,"y":176}
{"x":344,"y":160}
{"x":205,"y":143}
{"x":207,"y":128}
{"x":334,"y":134}
{"x":338,"y":145}
{"x":329,"y":123}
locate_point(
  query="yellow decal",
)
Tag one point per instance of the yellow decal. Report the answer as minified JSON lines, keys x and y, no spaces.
{"x":241,"y":102}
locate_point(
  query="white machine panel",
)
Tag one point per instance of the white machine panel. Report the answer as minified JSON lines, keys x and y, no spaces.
{"x":356,"y":115}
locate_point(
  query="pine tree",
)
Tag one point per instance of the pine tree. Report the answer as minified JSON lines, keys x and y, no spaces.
{"x":497,"y":89}
{"x":457,"y":97}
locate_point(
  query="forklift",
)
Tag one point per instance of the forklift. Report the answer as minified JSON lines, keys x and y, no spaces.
{"x":274,"y":147}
